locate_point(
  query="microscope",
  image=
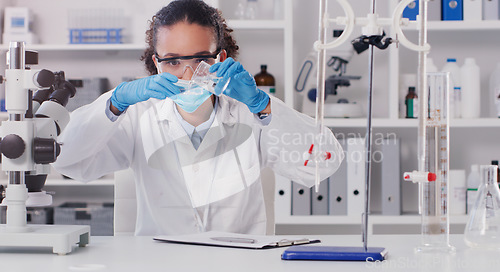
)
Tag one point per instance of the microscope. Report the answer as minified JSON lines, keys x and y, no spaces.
{"x":35,"y":101}
{"x":305,"y":86}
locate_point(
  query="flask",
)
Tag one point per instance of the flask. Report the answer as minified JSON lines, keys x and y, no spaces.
{"x":452,"y":67}
{"x":471,"y":89}
{"x":483,"y":228}
{"x":473,"y":181}
{"x":411,"y":102}
{"x":265,"y":80}
{"x":495,"y":92}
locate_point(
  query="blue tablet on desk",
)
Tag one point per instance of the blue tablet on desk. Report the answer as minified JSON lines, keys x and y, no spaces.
{"x":327,"y":253}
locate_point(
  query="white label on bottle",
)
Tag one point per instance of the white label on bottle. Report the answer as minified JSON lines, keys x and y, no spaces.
{"x":268,"y":89}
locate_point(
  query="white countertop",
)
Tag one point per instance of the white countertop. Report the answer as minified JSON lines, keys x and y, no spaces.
{"x":128,"y":253}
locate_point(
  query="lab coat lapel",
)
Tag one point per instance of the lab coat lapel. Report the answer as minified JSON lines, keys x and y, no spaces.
{"x":159,"y":129}
{"x":217,"y":130}
{"x":213,"y":136}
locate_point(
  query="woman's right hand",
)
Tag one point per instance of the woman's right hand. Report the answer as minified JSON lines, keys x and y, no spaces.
{"x":158,"y":86}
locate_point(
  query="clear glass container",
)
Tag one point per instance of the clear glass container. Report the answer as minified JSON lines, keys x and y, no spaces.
{"x":210,"y":81}
{"x":433,"y":196}
{"x":483,"y":228}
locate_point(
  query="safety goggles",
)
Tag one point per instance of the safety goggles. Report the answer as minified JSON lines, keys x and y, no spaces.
{"x":177,"y":65}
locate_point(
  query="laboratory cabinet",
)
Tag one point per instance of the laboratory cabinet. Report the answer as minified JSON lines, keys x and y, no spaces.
{"x":472,"y":141}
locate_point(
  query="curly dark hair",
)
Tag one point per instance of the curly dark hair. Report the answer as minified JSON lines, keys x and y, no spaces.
{"x":191,"y":11}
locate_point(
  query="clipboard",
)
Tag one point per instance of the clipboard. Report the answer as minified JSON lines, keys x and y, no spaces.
{"x":237,"y":240}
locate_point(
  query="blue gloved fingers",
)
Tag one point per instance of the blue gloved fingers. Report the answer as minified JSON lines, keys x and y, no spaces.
{"x":222,"y":68}
{"x":167,"y":91}
{"x":214,"y":67}
{"x":155,"y":94}
{"x":245,"y":78}
{"x":169,"y":77}
{"x":234,"y":69}
{"x":165,"y":85}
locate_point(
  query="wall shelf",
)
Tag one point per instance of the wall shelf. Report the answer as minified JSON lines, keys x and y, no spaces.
{"x":82,"y":47}
{"x":390,"y":123}
{"x":235,"y":24}
{"x":71,"y":182}
{"x":351,"y":220}
{"x":256,"y":24}
{"x":458,"y":25}
{"x":409,"y":123}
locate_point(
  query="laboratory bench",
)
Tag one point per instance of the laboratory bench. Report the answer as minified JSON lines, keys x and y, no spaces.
{"x":130,"y":253}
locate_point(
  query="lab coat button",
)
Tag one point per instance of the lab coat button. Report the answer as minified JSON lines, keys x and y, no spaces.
{"x":196,"y":167}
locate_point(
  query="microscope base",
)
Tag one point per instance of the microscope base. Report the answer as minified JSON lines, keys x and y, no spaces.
{"x":60,"y":238}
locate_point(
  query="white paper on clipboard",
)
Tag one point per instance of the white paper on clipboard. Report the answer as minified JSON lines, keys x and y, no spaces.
{"x":226,"y":239}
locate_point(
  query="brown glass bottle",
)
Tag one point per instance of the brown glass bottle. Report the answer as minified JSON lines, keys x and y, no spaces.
{"x":411,"y":101}
{"x":265,"y":80}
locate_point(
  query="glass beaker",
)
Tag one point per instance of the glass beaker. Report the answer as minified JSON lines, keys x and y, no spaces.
{"x":433,"y":195}
{"x":483,"y":228}
{"x":202,"y":77}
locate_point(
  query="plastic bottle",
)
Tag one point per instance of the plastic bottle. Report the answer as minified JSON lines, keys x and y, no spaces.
{"x":239,"y":13}
{"x":473,"y":181}
{"x":471,"y":89}
{"x":252,"y":11}
{"x":495,"y":92}
{"x":455,"y":87}
{"x":457,"y":192}
{"x":411,"y":101}
{"x":265,"y":81}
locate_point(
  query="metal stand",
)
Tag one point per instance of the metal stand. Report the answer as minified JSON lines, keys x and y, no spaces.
{"x":373,"y":35}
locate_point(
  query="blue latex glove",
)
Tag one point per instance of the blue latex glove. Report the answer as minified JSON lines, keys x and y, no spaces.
{"x":157,"y":86}
{"x":241,"y":86}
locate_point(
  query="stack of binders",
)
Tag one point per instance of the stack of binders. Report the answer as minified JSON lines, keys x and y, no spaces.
{"x":343,"y":193}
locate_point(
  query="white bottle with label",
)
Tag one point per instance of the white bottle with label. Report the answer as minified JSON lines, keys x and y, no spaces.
{"x":455,"y":87}
{"x":471,"y":89}
{"x":495,"y":92}
{"x":473,"y":181}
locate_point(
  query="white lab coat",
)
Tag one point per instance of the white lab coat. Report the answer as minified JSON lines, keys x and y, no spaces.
{"x":182,"y":190}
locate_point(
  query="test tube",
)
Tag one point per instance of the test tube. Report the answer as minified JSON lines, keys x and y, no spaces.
{"x":434,"y":195}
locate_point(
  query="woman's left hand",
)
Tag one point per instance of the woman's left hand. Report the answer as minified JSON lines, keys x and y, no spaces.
{"x":242,"y":86}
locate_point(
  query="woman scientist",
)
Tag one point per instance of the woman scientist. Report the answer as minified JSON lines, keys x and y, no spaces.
{"x":196,"y":158}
